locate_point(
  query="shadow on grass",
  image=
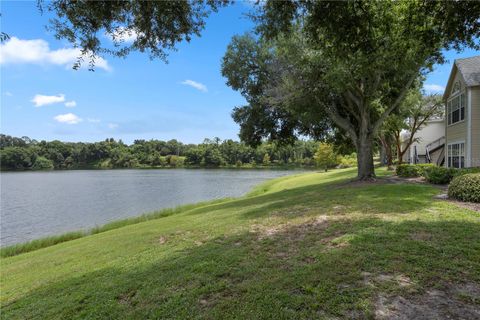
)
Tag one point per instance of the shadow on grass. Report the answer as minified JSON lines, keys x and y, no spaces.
{"x":309,"y":270}
{"x":376,"y":198}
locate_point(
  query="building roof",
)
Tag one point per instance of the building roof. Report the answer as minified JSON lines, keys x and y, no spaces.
{"x":469,"y":69}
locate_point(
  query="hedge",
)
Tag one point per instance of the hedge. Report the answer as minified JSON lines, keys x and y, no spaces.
{"x":408,"y":170}
{"x":432,"y":173}
{"x":465,"y":187}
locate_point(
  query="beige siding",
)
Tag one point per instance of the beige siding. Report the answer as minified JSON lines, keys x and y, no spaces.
{"x":458,"y":131}
{"x":475,"y":126}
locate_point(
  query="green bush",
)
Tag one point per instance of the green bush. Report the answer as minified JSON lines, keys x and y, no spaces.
{"x":42,"y":163}
{"x":463,"y":171}
{"x":465,"y":187}
{"x":347,"y":161}
{"x":409,"y":170}
{"x":424,"y":167}
{"x":440,"y":175}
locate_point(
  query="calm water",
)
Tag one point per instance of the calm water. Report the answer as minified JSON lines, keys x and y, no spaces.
{"x":38,"y":204}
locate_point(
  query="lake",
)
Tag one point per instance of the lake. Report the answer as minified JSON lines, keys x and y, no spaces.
{"x":39,"y":204}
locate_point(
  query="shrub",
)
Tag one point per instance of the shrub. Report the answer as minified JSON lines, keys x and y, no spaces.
{"x":42,"y":163}
{"x":308,"y":161}
{"x":424,"y":167}
{"x":439,"y":175}
{"x":465,"y":187}
{"x":325,"y":156}
{"x":409,"y":170}
{"x":463,"y":171}
{"x":175,"y":161}
{"x":347,"y":161}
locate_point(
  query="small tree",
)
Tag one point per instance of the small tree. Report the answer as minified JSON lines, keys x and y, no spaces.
{"x":266,"y":159}
{"x":325,"y":156}
{"x":413,"y":116}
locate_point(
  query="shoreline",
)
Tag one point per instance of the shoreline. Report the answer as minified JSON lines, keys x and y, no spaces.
{"x":48,"y":241}
{"x":279,"y":167}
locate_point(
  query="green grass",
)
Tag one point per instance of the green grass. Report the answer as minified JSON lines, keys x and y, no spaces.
{"x":295,"y":247}
{"x":36,"y":244}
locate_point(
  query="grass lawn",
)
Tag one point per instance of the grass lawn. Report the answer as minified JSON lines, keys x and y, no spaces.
{"x":305,"y":246}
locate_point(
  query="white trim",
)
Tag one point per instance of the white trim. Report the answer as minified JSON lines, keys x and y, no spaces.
{"x":468,"y":151}
{"x":458,"y":122}
{"x":447,"y":109}
{"x":456,"y":142}
{"x":464,"y":152}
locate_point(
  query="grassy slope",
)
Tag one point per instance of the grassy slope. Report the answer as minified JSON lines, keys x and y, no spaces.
{"x":297,"y":247}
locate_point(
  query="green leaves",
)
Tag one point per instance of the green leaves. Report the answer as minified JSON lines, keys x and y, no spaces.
{"x":134,"y":25}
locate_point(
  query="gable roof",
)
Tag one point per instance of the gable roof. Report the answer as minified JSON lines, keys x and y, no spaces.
{"x":469,"y":69}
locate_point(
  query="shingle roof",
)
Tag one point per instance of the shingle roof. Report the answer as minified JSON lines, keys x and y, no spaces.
{"x":470,"y":70}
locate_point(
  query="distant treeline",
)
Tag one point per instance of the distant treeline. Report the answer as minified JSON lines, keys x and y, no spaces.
{"x":28,"y":154}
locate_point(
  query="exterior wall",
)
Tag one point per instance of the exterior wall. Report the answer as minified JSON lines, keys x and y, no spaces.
{"x":475,"y":126}
{"x":432,"y":131}
{"x":457,"y":132}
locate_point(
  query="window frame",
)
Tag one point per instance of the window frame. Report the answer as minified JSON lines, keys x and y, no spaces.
{"x":460,"y":98}
{"x":456,"y":150}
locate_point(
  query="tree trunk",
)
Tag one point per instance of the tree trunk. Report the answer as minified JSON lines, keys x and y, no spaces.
{"x":390,"y":159}
{"x":383,"y":154}
{"x":366,"y":170}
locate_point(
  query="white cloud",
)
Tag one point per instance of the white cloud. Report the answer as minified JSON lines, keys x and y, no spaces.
{"x":42,"y":100}
{"x":68,"y":118}
{"x":70,"y":104}
{"x":122,"y":35}
{"x":37,"y":51}
{"x":8,"y":93}
{"x":434,"y":88}
{"x":112,"y":125}
{"x":93,"y":120}
{"x":196,"y":85}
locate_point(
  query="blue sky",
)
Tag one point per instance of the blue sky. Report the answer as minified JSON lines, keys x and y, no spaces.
{"x":132,"y":98}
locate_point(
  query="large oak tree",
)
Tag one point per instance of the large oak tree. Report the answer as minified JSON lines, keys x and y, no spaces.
{"x":350,"y":63}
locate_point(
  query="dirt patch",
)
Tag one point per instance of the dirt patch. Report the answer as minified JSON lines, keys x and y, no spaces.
{"x":334,"y":241}
{"x":459,"y":301}
{"x":421,"y":236}
{"x":288,"y":230}
{"x":162,"y":240}
{"x":399,"y":279}
{"x":127,"y":297}
{"x":467,"y":205}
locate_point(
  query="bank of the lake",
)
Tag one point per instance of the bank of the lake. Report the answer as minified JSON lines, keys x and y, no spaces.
{"x":304,"y":246}
{"x":40,"y":204}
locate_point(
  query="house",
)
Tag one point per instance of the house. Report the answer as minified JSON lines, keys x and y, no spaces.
{"x":462,"y":114}
{"x":429,"y":143}
{"x":455,"y":140}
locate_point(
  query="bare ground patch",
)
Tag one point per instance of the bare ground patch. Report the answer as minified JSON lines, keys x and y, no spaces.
{"x":454,"y":301}
{"x":289,"y":230}
{"x":468,"y":205}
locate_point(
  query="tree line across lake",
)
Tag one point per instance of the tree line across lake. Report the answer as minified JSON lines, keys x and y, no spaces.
{"x":28,"y":154}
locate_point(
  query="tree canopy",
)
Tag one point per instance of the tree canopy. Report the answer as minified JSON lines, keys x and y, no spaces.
{"x":348,"y":64}
{"x":153,"y":26}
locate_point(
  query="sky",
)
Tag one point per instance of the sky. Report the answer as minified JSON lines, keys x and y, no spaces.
{"x":130,"y":98}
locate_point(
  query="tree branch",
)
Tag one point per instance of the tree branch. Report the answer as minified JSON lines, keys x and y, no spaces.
{"x":397,"y":102}
{"x":342,"y":122}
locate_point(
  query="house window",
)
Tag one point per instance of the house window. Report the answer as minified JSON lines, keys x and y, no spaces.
{"x":456,"y":88}
{"x":456,"y":109}
{"x":456,"y":155}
